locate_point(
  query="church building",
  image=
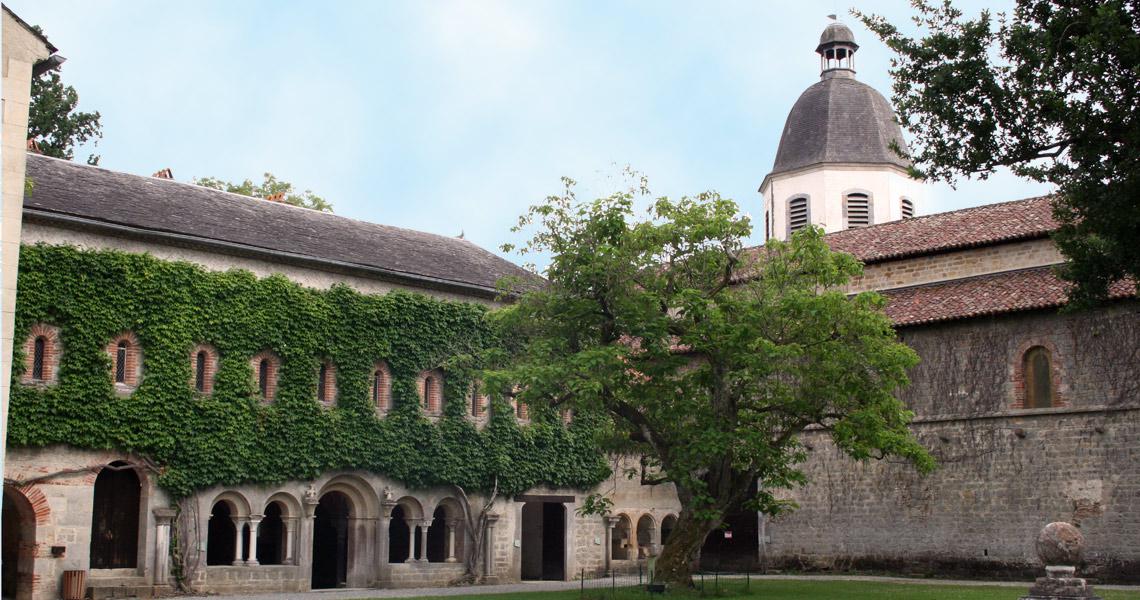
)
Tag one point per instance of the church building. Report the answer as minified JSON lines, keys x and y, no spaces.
{"x":243,"y":396}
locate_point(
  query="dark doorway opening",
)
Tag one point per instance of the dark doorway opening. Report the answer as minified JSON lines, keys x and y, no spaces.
{"x":437,"y":536}
{"x":19,"y":545}
{"x":271,"y":536}
{"x":398,"y":534}
{"x":115,"y":518}
{"x":220,"y":536}
{"x":544,"y":541}
{"x":741,"y":551}
{"x":330,"y":541}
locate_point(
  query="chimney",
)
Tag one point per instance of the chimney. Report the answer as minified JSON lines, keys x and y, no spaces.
{"x":278,"y":197}
{"x":164,"y":174}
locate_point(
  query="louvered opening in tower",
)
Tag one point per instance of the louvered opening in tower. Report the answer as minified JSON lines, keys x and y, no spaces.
{"x":907,"y":208}
{"x":797,"y":214}
{"x":858,"y":210}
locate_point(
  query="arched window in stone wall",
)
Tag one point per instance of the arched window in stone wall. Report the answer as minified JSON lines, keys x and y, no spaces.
{"x":271,"y":538}
{"x":41,"y":355}
{"x":1037,"y":369}
{"x":221,"y":535}
{"x":265,"y":366}
{"x":799,"y":214}
{"x":478,"y":400}
{"x":858,"y":210}
{"x":326,"y":383}
{"x":126,"y":362}
{"x":431,"y":392}
{"x":380,"y":388}
{"x":203,"y":365}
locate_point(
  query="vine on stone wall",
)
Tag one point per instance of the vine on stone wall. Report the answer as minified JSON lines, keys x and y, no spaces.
{"x":229,"y":436}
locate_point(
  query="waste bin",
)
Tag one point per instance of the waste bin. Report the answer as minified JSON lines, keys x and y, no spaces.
{"x":74,"y":585}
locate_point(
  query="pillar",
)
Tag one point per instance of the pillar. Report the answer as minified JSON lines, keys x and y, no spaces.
{"x":655,"y":540}
{"x":163,"y":517}
{"x":239,"y":543}
{"x":451,"y":525}
{"x":305,"y":535}
{"x":254,"y":524}
{"x":610,"y":523}
{"x":423,"y":539}
{"x":489,"y":546}
{"x":290,"y":535}
{"x":411,"y":540}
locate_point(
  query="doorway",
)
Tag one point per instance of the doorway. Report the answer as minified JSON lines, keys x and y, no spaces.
{"x":544,"y":541}
{"x":19,"y":526}
{"x":330,"y":541}
{"x":115,"y":517}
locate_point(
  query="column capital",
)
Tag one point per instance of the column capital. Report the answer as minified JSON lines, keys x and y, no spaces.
{"x":387,"y":506}
{"x":164,"y":515}
{"x":492,"y":518}
{"x":612,"y":522}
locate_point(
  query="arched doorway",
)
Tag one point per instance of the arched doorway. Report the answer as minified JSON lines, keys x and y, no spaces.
{"x":622,"y":539}
{"x":19,"y":526}
{"x":667,"y":526}
{"x":398,"y":536}
{"x":330,"y":541}
{"x":645,"y":528}
{"x":271,"y":536}
{"x":437,"y":536}
{"x":221,"y":534}
{"x":115,"y":518}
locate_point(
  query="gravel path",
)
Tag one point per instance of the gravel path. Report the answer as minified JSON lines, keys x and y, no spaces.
{"x":551,"y":586}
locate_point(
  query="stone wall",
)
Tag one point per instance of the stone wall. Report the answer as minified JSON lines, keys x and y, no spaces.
{"x":956,"y":265}
{"x":1003,"y":472}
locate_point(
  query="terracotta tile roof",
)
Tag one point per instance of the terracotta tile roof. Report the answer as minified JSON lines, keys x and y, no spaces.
{"x":1010,"y":291}
{"x":966,"y":228}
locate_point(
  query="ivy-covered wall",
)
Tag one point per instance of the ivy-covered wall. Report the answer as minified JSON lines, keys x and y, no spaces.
{"x":229,"y":436}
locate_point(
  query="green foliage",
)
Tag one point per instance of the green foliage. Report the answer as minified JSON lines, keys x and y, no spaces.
{"x":711,"y":358}
{"x":230,"y":437}
{"x":53,"y":121}
{"x":269,"y":187}
{"x":1049,"y":91}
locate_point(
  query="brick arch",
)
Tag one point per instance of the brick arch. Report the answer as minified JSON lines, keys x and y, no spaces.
{"x":430,"y":386}
{"x":209,"y":371}
{"x":52,"y":353}
{"x":380,"y":387}
{"x":1056,"y":372}
{"x":132,"y":368}
{"x":38,"y":502}
{"x":273,"y":368}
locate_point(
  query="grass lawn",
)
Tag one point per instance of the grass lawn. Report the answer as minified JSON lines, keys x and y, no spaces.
{"x":797,"y":590}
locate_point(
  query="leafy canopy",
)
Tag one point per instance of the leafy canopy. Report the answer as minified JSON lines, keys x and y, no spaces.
{"x":708,"y":357}
{"x":1051,"y":91}
{"x":270,"y":187}
{"x":53,"y":121}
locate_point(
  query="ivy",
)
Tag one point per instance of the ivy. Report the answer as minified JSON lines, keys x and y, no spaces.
{"x":230,"y":437}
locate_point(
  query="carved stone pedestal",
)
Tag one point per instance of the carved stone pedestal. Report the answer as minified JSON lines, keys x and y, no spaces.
{"x":1060,"y":584}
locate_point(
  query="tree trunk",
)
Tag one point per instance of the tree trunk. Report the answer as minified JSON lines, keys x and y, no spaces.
{"x":675,"y":565}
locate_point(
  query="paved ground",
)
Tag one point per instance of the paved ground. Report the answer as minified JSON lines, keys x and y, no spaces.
{"x":550,"y":586}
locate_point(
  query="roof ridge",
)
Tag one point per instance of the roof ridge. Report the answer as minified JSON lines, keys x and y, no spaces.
{"x":944,"y":213}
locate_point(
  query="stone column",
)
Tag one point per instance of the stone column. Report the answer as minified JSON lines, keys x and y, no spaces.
{"x":610,"y":523}
{"x":411,"y":541}
{"x":162,"y":518}
{"x":290,"y":536}
{"x":451,"y":525}
{"x":254,"y":524}
{"x":489,"y":546}
{"x":384,"y":549}
{"x":423,"y":540}
{"x":239,"y":543}
{"x":305,"y":536}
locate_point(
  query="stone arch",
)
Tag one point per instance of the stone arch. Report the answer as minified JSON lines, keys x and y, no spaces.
{"x":1056,"y":372}
{"x":237,"y":503}
{"x":275,"y":532}
{"x":446,"y":535}
{"x":413,"y":509}
{"x":20,"y":518}
{"x":365,"y":503}
{"x":646,"y":532}
{"x":622,"y":542}
{"x":405,"y":534}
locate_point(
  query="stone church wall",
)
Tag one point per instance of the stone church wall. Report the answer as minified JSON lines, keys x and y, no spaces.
{"x":1004,"y":472}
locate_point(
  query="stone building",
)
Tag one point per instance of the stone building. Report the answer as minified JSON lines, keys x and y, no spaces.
{"x":67,"y":508}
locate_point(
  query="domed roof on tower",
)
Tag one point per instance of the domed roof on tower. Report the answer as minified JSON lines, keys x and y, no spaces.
{"x":839,"y":119}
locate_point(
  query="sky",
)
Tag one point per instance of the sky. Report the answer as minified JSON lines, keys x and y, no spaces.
{"x":453,"y":116}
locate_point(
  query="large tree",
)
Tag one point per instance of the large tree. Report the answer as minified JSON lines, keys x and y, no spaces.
{"x":54,"y":122}
{"x":270,"y":187}
{"x":1051,"y":91}
{"x":709,"y":358}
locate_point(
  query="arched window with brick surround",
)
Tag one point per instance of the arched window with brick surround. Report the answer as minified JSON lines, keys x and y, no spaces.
{"x":126,"y":362}
{"x":203,"y":366}
{"x":478,"y":404}
{"x":431,"y":392}
{"x":326,"y":383}
{"x":265,"y":366}
{"x":380,"y":388}
{"x":1037,"y":374}
{"x":41,"y":355}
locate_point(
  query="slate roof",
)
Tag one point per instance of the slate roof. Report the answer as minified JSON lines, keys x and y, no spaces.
{"x":836,"y":33}
{"x":1011,"y":291}
{"x":954,"y":230}
{"x":63,"y":190}
{"x":839,"y":120}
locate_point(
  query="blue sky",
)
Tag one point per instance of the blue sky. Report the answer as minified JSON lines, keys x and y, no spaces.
{"x":450,"y":116}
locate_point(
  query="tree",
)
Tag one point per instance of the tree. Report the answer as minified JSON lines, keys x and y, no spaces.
{"x":270,"y":187}
{"x":708,"y":358}
{"x":1053,"y":93}
{"x":53,"y":121}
